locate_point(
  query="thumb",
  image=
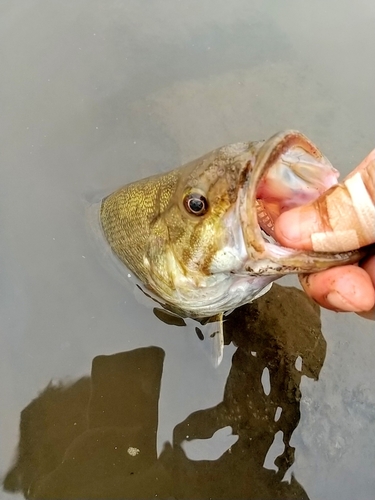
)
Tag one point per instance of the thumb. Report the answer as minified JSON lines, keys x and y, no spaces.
{"x":295,"y":227}
{"x":341,"y":219}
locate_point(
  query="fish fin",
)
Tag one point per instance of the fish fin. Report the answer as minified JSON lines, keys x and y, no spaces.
{"x":219,"y":341}
{"x":168,"y":317}
{"x":212,"y":333}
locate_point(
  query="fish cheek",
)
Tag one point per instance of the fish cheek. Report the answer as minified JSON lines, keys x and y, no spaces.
{"x":169,"y":236}
{"x":205,"y":241}
{"x":210,"y":234}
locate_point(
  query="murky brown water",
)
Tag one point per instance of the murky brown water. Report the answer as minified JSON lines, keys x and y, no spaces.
{"x":96,"y":94}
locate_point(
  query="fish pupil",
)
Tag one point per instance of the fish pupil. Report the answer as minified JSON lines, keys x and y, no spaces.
{"x":196,"y":204}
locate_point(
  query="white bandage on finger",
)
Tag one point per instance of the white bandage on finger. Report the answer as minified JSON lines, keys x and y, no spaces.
{"x":340,"y":241}
{"x":351,"y":214}
{"x":363,"y":207}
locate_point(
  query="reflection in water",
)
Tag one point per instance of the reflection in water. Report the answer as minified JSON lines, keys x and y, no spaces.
{"x":97,"y":437}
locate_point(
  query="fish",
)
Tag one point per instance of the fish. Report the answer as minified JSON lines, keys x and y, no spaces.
{"x":201,"y":237}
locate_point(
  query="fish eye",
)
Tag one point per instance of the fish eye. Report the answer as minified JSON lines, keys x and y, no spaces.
{"x":196,"y":204}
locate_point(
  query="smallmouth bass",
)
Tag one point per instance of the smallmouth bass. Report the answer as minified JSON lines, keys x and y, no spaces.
{"x":201,"y":236}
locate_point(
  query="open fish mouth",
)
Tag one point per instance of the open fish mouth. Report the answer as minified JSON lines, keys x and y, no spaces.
{"x":289,"y":171}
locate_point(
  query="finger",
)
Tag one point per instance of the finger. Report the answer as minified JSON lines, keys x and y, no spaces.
{"x":345,"y":288}
{"x":365,"y":165}
{"x":342,"y":219}
{"x":294,"y":228}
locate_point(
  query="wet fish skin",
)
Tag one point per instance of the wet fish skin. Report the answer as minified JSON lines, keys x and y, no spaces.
{"x":211,"y":262}
{"x":170,"y":250}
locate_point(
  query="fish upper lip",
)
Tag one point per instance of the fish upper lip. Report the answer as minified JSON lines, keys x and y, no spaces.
{"x":265,"y":254}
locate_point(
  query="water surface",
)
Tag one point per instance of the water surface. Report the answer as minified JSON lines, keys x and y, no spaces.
{"x":94,"y":95}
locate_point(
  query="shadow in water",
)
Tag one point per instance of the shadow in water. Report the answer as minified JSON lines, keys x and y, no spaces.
{"x":97,"y":437}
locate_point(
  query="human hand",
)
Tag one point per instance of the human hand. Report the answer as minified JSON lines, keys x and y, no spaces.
{"x":341,"y":219}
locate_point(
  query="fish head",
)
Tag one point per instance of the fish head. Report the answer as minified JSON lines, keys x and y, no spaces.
{"x":201,"y":236}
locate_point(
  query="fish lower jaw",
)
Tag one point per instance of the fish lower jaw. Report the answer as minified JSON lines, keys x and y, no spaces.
{"x":278,"y":261}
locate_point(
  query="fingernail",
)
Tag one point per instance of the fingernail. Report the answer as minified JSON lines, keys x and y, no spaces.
{"x":294,"y":228}
{"x":339,"y":303}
